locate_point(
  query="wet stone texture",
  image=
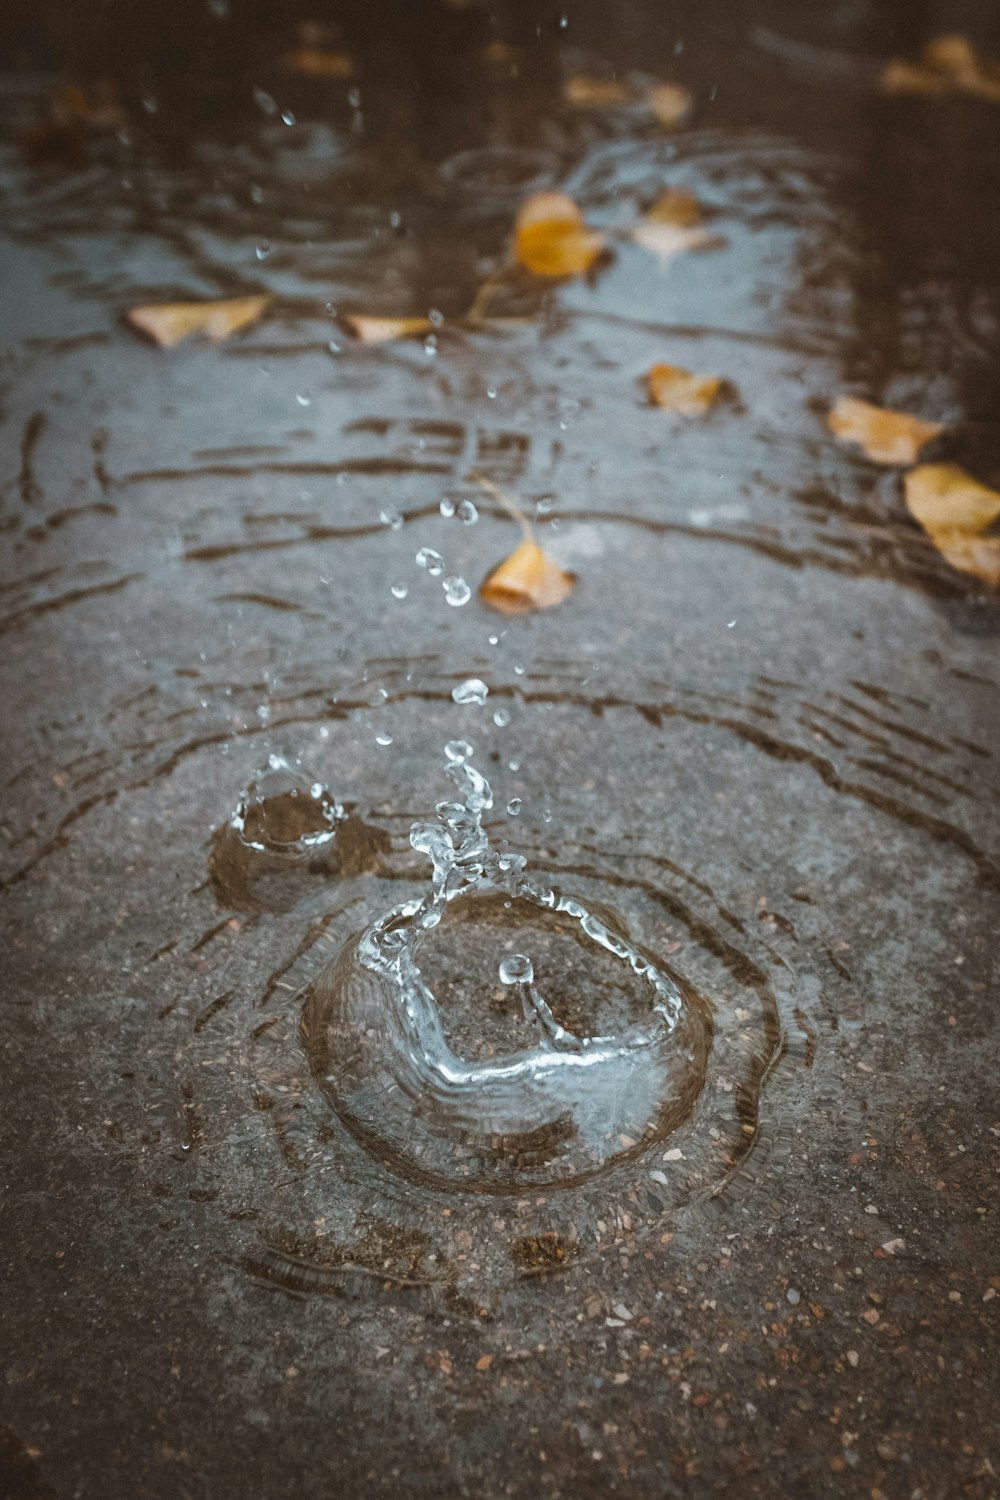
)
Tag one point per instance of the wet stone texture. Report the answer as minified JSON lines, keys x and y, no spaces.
{"x":759,"y":740}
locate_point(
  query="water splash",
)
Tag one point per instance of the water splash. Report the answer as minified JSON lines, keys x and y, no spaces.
{"x":561,"y":1106}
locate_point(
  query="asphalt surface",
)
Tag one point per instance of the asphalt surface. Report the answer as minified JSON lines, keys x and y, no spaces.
{"x":762,"y":733}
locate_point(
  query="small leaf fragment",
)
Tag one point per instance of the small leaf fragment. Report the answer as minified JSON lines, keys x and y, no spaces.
{"x":679,"y":390}
{"x":315,"y":62}
{"x":551,"y":238}
{"x":589,"y":93}
{"x":675,"y":206}
{"x":525,"y":581}
{"x":670,"y":103}
{"x":168,"y":323}
{"x":957,"y":511}
{"x":887,"y":437}
{"x":382,"y":330}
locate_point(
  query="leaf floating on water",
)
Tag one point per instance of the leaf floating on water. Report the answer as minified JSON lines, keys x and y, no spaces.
{"x":551,"y":238}
{"x":670,"y":104}
{"x":667,"y":240}
{"x":590,"y":93}
{"x":957,"y":512}
{"x":170,"y":322}
{"x":676,"y":206}
{"x":679,"y":390}
{"x":525,"y":581}
{"x":313,"y":62}
{"x":382,"y":330}
{"x":948,"y":64}
{"x":887,"y":437}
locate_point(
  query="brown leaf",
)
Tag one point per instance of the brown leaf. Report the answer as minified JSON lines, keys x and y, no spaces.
{"x":526,"y":580}
{"x":551,"y":239}
{"x":675,"y":206}
{"x":484,"y":1361}
{"x":888,"y":437}
{"x":956,"y":511}
{"x":314,"y":62}
{"x":667,"y":240}
{"x":670,"y":103}
{"x":381,"y":330}
{"x":592,"y":92}
{"x":170,"y":322}
{"x":678,"y":390}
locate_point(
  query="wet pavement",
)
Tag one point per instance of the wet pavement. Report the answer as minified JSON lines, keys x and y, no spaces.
{"x":759,"y":741}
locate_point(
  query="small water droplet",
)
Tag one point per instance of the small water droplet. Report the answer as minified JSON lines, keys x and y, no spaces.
{"x":546,"y":815}
{"x":730,"y":624}
{"x":431,"y":560}
{"x":396,"y":219}
{"x":430,"y":345}
{"x":456,"y":590}
{"x":472,"y":690}
{"x":391,"y":517}
{"x":513,"y":765}
{"x":287,"y":117}
{"x":354,"y":98}
{"x":468,"y":513}
{"x":458,"y":751}
{"x":501,"y":717}
{"x":514,"y":806}
{"x":516,"y":968}
{"x":263,"y":250}
{"x":436,"y":317}
{"x":265,"y":101}
{"x":333,"y":347}
{"x":491,"y":392}
{"x":519,"y":669}
{"x":399,"y":590}
{"x":303,"y":399}
{"x":447,"y":507}
{"x":382,"y":738}
{"x":494,"y":640}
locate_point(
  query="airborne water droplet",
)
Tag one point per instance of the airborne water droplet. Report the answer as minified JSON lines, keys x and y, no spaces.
{"x":501,"y":717}
{"x":390,"y":516}
{"x":514,"y":806}
{"x":458,"y":751}
{"x":431,"y":560}
{"x":472,"y":690}
{"x":447,"y":507}
{"x":468,"y":513}
{"x":399,"y":590}
{"x":263,"y":250}
{"x":456,"y":590}
{"x":382,"y":738}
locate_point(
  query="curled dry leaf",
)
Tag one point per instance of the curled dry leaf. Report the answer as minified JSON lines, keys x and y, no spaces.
{"x":525,"y":581}
{"x":957,"y":511}
{"x":551,"y":238}
{"x":888,"y":437}
{"x":670,"y":103}
{"x":948,"y":64}
{"x":590,"y":93}
{"x":170,"y":322}
{"x":313,"y":62}
{"x":382,"y":330}
{"x":678,"y":390}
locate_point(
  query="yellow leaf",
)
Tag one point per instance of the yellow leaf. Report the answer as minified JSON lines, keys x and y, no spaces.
{"x":527,"y":580}
{"x":676,"y":206}
{"x":592,"y":92}
{"x":551,"y":239}
{"x":314,"y":62}
{"x":947,"y":64}
{"x":670,"y":103}
{"x":381,"y":330}
{"x":888,"y":437}
{"x":678,"y":390}
{"x":667,"y":240}
{"x":170,"y":322}
{"x":956,"y":511}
